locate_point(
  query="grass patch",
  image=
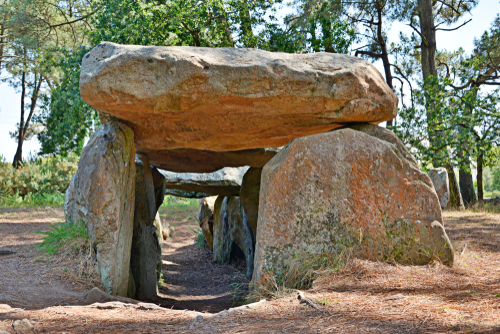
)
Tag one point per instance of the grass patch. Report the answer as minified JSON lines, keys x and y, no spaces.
{"x":199,"y":238}
{"x":300,"y":273}
{"x":32,"y":200}
{"x":66,"y":247}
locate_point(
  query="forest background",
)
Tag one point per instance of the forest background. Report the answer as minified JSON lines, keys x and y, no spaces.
{"x":448,"y":113}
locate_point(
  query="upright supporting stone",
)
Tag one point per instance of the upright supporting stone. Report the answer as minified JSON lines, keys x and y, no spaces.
{"x":240,"y":231}
{"x":347,"y":189}
{"x":145,"y":245}
{"x":249,"y":195}
{"x":206,"y":219}
{"x":222,"y":236}
{"x":101,"y":196}
{"x":439,"y":178}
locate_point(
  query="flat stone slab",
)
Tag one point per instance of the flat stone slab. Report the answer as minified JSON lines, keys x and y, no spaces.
{"x":225,"y":182}
{"x":228,"y":99}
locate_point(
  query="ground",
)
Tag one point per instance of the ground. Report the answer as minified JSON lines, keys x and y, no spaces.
{"x":363,"y":297}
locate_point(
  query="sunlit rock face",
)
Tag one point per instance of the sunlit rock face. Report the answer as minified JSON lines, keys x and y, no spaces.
{"x":228,"y":104}
{"x":347,"y":190}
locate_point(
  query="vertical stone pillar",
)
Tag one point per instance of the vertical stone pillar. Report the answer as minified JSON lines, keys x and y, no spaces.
{"x":145,"y":245}
{"x":101,"y":196}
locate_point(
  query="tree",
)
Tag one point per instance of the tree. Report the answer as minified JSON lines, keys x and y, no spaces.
{"x":31,"y":31}
{"x":67,"y":119}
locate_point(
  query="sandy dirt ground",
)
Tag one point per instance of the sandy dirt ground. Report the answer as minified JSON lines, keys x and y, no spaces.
{"x":365,"y":297}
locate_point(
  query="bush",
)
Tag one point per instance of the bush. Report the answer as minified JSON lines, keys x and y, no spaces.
{"x":39,"y":182}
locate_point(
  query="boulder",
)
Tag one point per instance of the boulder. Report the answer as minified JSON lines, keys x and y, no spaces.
{"x":439,"y":178}
{"x":146,"y":251}
{"x":206,"y":219}
{"x":101,"y":196}
{"x":249,"y":195}
{"x":228,"y":99}
{"x":346,"y":189}
{"x":224,"y":182}
{"x":222,"y":244}
{"x":240,"y":231}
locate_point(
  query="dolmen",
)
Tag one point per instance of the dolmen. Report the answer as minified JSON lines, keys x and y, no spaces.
{"x":317,"y":174}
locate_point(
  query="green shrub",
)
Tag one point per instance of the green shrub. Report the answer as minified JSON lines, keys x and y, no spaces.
{"x":174,"y":201}
{"x":199,"y":238}
{"x":39,"y":182}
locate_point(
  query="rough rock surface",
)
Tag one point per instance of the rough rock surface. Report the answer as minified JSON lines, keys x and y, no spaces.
{"x":249,"y":195}
{"x":186,"y":194}
{"x":206,"y":219}
{"x":248,"y":98}
{"x":101,"y":195}
{"x":202,"y":161}
{"x":159,"y":229}
{"x":159,"y":185}
{"x":146,"y":251}
{"x":241,"y":232}
{"x":225,"y":182}
{"x":439,"y":178}
{"x":222,"y":237}
{"x":326,"y":192}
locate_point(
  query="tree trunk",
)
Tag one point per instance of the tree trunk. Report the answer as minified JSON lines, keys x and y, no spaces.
{"x":24,"y":125}
{"x":428,"y":46}
{"x":18,"y":157}
{"x":455,"y":196}
{"x":428,"y":32}
{"x":467,"y":188}
{"x":2,"y":41}
{"x":480,"y":193}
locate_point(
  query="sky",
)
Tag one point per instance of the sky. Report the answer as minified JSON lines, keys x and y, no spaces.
{"x":482,"y":16}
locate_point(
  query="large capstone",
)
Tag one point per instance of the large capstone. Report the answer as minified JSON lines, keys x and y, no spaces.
{"x":184,"y":102}
{"x":347,"y":189}
{"x":101,"y":196}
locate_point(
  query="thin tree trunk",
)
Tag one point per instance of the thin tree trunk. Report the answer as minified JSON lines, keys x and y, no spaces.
{"x":2,"y":41}
{"x":18,"y":157}
{"x":480,"y":192}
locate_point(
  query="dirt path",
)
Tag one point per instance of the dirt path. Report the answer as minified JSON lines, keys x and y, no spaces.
{"x":365,"y":297}
{"x":192,"y":279}
{"x":26,"y":282}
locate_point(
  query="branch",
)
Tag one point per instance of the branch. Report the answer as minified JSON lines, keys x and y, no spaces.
{"x":74,"y":21}
{"x":418,"y":32}
{"x":460,"y":26}
{"x":368,"y":53}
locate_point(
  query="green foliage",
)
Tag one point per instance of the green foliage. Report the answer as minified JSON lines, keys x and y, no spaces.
{"x":199,"y":238}
{"x":64,"y":237}
{"x":31,"y":200}
{"x":40,"y":182}
{"x":174,"y":201}
{"x":462,"y":123}
{"x":68,"y":120}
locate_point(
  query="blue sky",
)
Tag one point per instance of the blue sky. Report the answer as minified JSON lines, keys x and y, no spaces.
{"x":482,"y":16}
